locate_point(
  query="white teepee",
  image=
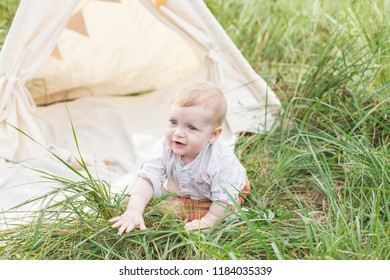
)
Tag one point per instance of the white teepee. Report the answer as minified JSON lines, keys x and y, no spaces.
{"x":117,"y":64}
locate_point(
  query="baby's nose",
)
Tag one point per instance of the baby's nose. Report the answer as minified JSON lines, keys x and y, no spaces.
{"x":179,"y":132}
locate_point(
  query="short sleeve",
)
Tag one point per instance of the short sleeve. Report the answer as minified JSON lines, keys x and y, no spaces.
{"x":154,"y":171}
{"x":228,"y":179}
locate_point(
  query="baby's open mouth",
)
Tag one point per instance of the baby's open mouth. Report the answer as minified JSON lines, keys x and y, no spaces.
{"x":177,"y":143}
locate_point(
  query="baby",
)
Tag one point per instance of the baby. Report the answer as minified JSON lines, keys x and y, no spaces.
{"x":201,"y":173}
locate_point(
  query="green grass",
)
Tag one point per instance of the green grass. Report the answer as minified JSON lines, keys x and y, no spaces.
{"x":321,"y":178}
{"x":7,"y":11}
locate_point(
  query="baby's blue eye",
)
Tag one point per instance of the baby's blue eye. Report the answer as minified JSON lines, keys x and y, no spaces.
{"x":173,"y":122}
{"x":191,"y":127}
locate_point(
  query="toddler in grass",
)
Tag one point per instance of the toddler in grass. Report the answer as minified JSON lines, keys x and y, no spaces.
{"x":203,"y":175}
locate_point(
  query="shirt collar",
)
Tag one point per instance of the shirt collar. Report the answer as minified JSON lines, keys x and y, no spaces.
{"x":196,"y":159}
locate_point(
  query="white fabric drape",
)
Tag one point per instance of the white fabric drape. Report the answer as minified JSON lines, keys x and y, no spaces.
{"x":252,"y":104}
{"x":33,"y":35}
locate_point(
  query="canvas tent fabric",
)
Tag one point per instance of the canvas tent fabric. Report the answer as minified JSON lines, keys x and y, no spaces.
{"x":111,"y":67}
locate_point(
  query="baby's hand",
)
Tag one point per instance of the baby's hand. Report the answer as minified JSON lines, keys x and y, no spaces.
{"x":195,"y":224}
{"x":129,"y":220}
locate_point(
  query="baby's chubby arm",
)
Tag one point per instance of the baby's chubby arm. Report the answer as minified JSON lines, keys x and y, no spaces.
{"x":141,"y":194}
{"x":216,"y":212}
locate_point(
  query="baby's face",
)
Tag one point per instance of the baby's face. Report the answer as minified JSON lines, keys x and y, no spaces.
{"x":189,"y":130}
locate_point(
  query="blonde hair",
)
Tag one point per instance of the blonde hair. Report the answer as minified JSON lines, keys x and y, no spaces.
{"x":203,"y":93}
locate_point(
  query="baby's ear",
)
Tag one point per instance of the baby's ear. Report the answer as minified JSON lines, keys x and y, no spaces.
{"x":215,"y":134}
